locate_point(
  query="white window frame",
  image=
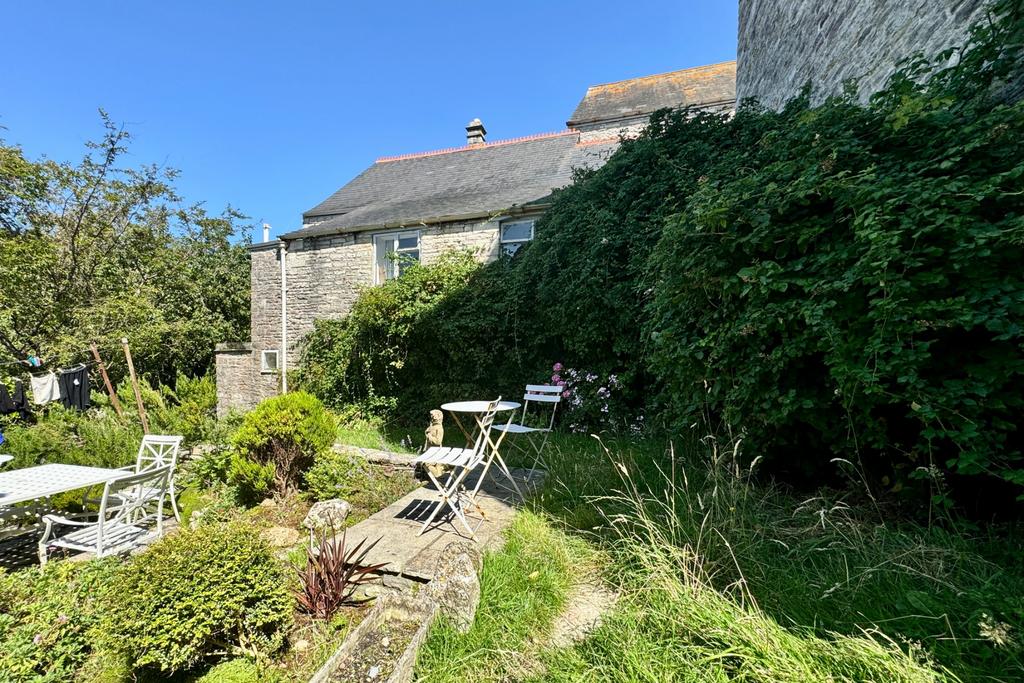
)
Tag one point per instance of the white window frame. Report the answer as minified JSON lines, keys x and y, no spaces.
{"x":520,"y":242}
{"x":397,"y":235}
{"x":264,"y":366}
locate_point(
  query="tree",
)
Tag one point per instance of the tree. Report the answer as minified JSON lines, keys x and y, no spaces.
{"x":97,"y":251}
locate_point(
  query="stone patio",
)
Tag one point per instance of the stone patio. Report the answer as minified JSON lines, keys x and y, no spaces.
{"x":412,"y":557}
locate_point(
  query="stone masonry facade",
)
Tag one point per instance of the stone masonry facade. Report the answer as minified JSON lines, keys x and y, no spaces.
{"x":783,"y":44}
{"x":324,"y":276}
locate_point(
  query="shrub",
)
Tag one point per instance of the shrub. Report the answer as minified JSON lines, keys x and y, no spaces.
{"x":195,"y":594}
{"x":362,"y":358}
{"x":252,"y":480}
{"x":46,"y":616}
{"x":239,"y":670}
{"x":282,"y":434}
{"x":334,"y":475}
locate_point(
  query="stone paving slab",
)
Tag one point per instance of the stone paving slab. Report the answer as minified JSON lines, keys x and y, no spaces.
{"x":413,"y":556}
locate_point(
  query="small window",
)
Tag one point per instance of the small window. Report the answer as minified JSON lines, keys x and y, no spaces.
{"x":394,"y":253}
{"x":268,"y":361}
{"x":515,"y":234}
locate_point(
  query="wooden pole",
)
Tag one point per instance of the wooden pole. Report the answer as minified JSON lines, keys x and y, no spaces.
{"x":135,"y":385}
{"x":106,"y":380}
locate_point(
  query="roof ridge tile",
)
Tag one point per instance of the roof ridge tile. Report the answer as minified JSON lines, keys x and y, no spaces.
{"x":465,"y":148}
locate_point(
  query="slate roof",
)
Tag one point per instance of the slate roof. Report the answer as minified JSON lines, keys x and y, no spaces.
{"x":710,"y":85}
{"x":449,"y":184}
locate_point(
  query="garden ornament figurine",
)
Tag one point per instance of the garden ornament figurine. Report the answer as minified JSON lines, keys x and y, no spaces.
{"x":434,"y":436}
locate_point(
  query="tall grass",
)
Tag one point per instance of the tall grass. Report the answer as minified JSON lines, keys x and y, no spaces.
{"x":725,"y":577}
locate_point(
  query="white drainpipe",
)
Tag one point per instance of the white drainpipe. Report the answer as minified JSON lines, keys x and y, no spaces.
{"x":283,"y":251}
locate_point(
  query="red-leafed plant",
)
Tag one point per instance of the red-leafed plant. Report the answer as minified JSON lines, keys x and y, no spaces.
{"x":332,"y":574}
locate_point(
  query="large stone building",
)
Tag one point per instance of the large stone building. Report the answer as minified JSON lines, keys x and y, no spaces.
{"x":484,"y":196}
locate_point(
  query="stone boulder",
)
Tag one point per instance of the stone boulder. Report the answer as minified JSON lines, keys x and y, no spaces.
{"x":456,"y":584}
{"x":280,"y":536}
{"x":325,"y":515}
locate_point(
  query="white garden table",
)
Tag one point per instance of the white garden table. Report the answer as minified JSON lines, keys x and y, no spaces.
{"x":42,"y":481}
{"x":30,"y":484}
{"x":477,"y":409}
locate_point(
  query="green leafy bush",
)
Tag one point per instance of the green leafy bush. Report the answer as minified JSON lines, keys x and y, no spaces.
{"x":850,"y":284}
{"x":334,"y":475}
{"x":195,"y":594}
{"x":252,"y":480}
{"x":281,"y":435}
{"x":46,"y":617}
{"x":239,"y":670}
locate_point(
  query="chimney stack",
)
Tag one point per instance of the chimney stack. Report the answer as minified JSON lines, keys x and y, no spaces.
{"x":266,"y":232}
{"x":475,"y":133}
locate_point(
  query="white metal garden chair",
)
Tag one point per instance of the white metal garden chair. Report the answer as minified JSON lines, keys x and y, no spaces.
{"x":156,"y":450}
{"x":537,"y":437}
{"x":461,"y":462}
{"x":118,"y":525}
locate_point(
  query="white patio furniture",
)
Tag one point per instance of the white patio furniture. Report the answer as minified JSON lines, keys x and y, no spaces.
{"x":477,"y":409}
{"x":118,"y":525}
{"x":461,"y":462}
{"x":537,"y":437}
{"x":156,"y":450}
{"x":33,"y":484}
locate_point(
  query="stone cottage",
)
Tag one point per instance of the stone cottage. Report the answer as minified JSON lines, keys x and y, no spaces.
{"x":485,"y":196}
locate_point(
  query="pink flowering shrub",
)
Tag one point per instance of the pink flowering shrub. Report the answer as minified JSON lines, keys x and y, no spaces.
{"x":590,"y":400}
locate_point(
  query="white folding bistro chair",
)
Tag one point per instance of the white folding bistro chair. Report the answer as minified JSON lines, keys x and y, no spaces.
{"x":156,"y":450}
{"x":118,"y":524}
{"x":536,"y":436}
{"x":461,"y":461}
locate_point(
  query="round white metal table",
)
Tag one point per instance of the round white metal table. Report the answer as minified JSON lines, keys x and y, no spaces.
{"x":477,"y":409}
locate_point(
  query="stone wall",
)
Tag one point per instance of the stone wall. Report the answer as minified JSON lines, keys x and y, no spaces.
{"x":785,"y":43}
{"x":240,"y":384}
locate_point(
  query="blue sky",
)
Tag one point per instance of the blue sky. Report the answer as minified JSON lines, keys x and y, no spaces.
{"x":271,"y":106}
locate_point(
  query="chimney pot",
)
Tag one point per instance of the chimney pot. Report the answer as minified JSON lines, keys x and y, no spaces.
{"x":266,"y":232}
{"x":475,"y":133}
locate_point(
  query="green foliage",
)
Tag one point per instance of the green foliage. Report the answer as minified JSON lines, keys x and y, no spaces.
{"x":96,"y":438}
{"x":239,"y":670}
{"x":46,"y":617}
{"x":334,"y":475}
{"x":252,"y":480}
{"x":282,"y":435}
{"x":694,"y":539}
{"x":523,"y":587}
{"x":848,"y":284}
{"x":195,"y":594}
{"x":109,"y":251}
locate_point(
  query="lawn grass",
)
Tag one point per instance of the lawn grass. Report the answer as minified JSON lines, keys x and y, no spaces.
{"x":364,"y":433}
{"x":725,"y":578}
{"x":523,"y":587}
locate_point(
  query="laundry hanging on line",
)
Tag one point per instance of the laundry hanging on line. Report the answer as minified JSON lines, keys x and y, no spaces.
{"x":74,"y":387}
{"x":13,"y":402}
{"x":45,"y":388}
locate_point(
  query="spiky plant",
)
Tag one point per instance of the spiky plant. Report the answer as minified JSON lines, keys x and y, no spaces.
{"x":332,"y":574}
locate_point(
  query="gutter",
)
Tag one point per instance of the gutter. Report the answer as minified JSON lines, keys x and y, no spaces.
{"x":517,"y":210}
{"x":283,"y":253}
